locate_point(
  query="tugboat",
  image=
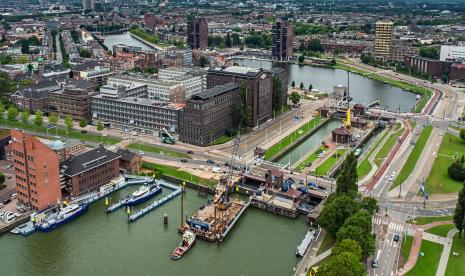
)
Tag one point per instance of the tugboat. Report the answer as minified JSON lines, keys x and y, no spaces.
{"x":188,"y":239}
{"x":63,"y":216}
{"x":143,"y":194}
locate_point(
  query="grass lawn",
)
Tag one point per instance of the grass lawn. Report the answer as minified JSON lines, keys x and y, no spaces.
{"x":427,"y":264}
{"x":406,"y":246}
{"x":438,"y":181}
{"x":323,"y":168}
{"x":388,"y":146}
{"x":62,"y":133}
{"x":426,"y":220}
{"x":176,"y":173}
{"x":310,"y":159}
{"x":456,"y":264}
{"x":288,"y":140}
{"x":441,"y":230}
{"x":365,"y":167}
{"x":328,"y":242}
{"x":413,"y":157}
{"x":221,"y":140}
{"x":153,"y":149}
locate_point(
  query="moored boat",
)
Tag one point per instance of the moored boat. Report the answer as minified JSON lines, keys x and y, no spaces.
{"x":63,"y":216}
{"x":188,"y":239}
{"x":143,"y":194}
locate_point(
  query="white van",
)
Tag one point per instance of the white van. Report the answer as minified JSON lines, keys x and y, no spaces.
{"x":216,"y":170}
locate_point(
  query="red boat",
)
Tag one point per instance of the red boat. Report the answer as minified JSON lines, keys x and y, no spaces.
{"x":188,"y":239}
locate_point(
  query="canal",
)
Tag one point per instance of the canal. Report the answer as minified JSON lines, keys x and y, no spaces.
{"x":124,"y":38}
{"x":363,"y":90}
{"x":101,"y":244}
{"x":299,"y":152}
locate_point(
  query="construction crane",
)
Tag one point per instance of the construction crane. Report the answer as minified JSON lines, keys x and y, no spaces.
{"x":222,"y":201}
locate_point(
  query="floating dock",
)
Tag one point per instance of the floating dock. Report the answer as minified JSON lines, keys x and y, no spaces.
{"x":311,"y":235}
{"x":177,"y":191}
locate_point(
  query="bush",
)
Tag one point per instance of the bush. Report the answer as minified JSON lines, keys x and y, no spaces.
{"x":231,"y":132}
{"x":456,"y":171}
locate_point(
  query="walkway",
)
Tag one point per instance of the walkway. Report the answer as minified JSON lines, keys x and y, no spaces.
{"x":309,"y":259}
{"x":446,"y":253}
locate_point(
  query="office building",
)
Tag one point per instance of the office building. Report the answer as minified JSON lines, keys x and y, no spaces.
{"x":383,"y":40}
{"x":258,"y":85}
{"x":71,"y":101}
{"x":452,"y":53}
{"x":197,"y":33}
{"x":37,"y":171}
{"x":282,"y":33}
{"x":207,"y":116}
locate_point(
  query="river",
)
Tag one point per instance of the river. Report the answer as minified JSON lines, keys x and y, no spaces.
{"x":124,"y":38}
{"x":99,"y":244}
{"x":363,"y":90}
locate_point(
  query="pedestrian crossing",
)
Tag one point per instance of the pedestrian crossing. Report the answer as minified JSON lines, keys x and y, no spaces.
{"x":377,"y":220}
{"x":395,"y":227}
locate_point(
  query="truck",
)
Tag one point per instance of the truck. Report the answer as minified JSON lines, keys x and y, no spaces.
{"x":168,"y":140}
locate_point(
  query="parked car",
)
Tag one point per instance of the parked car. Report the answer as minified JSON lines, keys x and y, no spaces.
{"x":9,"y":166}
{"x":183,"y":160}
{"x":190,"y":152}
{"x":396,"y":238}
{"x":15,"y":195}
{"x":9,"y":217}
{"x":209,"y":161}
{"x":83,"y":131}
{"x":6,"y":201}
{"x":392,"y":176}
{"x":216,"y":170}
{"x":374,"y":263}
{"x":2,"y":205}
{"x":226,"y":164}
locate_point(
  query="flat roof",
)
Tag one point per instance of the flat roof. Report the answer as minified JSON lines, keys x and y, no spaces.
{"x":215,"y":91}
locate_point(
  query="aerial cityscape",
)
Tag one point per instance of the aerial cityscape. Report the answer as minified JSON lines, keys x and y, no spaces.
{"x":255,"y":137}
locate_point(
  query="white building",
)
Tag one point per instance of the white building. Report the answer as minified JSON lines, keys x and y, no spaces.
{"x":193,"y":80}
{"x":449,"y":52}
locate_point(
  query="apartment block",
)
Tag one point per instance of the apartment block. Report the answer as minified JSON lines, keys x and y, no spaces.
{"x":383,"y":40}
{"x":283,"y":39}
{"x":197,"y":33}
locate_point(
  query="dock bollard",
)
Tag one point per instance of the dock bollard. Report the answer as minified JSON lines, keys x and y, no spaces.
{"x":165,"y":218}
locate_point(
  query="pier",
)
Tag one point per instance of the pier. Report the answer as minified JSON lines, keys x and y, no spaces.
{"x":157,"y":203}
{"x":231,"y":225}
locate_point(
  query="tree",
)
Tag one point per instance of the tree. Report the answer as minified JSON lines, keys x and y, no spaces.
{"x":99,"y":125}
{"x":69,"y":123}
{"x":30,"y":67}
{"x":358,"y":234}
{"x":346,"y":183}
{"x":228,"y":41}
{"x":295,"y":97}
{"x":83,"y":123}
{"x":362,"y":219}
{"x":302,"y":47}
{"x":25,"y":115}
{"x":53,"y":119}
{"x":310,"y":87}
{"x":24,"y":46}
{"x":344,"y":264}
{"x":244,"y":108}
{"x":301,"y":59}
{"x":429,"y":52}
{"x":203,"y":61}
{"x":335,"y":213}
{"x":333,"y":62}
{"x":293,"y":84}
{"x":236,"y":39}
{"x":39,"y":118}
{"x":459,"y":212}
{"x":2,"y":178}
{"x":2,"y":111}
{"x":301,"y":85}
{"x":12,"y":113}
{"x":462,"y":133}
{"x":277,"y":93}
{"x":370,"y":204}
{"x":315,"y":45}
{"x":347,"y":245}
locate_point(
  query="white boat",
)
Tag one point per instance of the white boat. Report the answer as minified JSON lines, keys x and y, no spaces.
{"x":188,"y":239}
{"x":140,"y":192}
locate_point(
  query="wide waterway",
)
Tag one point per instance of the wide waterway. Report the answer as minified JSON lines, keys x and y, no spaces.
{"x":124,"y":38}
{"x":363,"y":90}
{"x":99,"y":244}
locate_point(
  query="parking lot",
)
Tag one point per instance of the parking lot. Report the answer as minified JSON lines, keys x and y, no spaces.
{"x":6,"y":167}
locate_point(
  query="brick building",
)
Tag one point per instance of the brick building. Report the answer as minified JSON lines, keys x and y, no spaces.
{"x":283,"y":39}
{"x":427,"y":66}
{"x":71,"y":101}
{"x":37,"y":171}
{"x":88,"y":171}
{"x":197,"y":33}
{"x":258,"y":84}
{"x":208,"y":115}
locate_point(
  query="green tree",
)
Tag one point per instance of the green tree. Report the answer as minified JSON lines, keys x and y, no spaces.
{"x":370,"y":204}
{"x":2,"y":111}
{"x":344,"y":264}
{"x":459,"y":212}
{"x":302,"y":85}
{"x":12,"y":113}
{"x":30,"y":67}
{"x":358,"y":234}
{"x":456,"y":171}
{"x":347,"y":245}
{"x":315,"y":45}
{"x":335,"y":213}
{"x":277,"y":93}
{"x":99,"y":125}
{"x":25,"y":115}
{"x":333,"y":62}
{"x":462,"y":133}
{"x":293,"y":84}
{"x":295,"y":97}
{"x":228,"y":41}
{"x":362,"y":219}
{"x":236,"y":39}
{"x":83,"y":123}
{"x":203,"y":62}
{"x":69,"y":123}
{"x":346,"y":183}
{"x":53,"y":119}
{"x":2,"y":178}
{"x":244,"y":108}
{"x":310,"y":87}
{"x":429,"y":52}
{"x":39,"y":118}
{"x":301,"y":59}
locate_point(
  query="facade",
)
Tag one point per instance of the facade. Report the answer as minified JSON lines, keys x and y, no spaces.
{"x":87,"y":171}
{"x":401,"y":50}
{"x":134,"y":113}
{"x":32,"y":100}
{"x":258,"y":84}
{"x":197,"y":33}
{"x":383,"y":40}
{"x":452,"y":53}
{"x":207,"y":116}
{"x":457,"y":73}
{"x":71,"y":101}
{"x":192,"y":80}
{"x":129,"y":161}
{"x":427,"y":66}
{"x":283,"y":34}
{"x":37,"y":171}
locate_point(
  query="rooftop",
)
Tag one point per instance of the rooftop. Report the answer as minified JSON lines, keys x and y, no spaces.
{"x":88,"y":160}
{"x":215,"y":91}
